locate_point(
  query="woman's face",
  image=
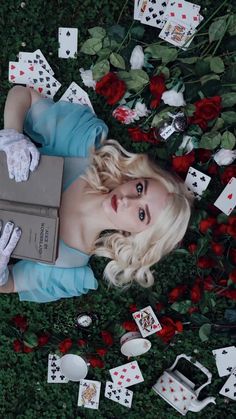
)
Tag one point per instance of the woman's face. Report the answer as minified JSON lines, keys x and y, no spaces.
{"x":135,"y":205}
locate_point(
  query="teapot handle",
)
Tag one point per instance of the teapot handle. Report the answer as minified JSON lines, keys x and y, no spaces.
{"x":198,"y":365}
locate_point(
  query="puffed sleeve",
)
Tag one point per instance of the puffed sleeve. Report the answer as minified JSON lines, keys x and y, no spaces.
{"x":64,"y":128}
{"x":43,"y":283}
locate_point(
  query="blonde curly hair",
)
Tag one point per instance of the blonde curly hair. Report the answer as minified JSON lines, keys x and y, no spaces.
{"x":132,"y":255}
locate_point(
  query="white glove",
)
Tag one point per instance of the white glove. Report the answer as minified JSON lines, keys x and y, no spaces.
{"x":22,"y":154}
{"x":8,"y":241}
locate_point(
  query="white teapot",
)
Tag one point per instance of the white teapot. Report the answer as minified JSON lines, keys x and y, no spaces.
{"x":178,"y":390}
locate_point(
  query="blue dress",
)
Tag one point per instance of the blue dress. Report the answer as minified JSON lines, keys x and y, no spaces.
{"x":68,"y":130}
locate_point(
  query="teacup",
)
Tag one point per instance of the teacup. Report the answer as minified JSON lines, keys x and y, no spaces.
{"x":133,"y":344}
{"x":74,"y":367}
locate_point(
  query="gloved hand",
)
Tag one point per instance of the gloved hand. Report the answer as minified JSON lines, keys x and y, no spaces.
{"x":22,"y":154}
{"x":8,"y":241}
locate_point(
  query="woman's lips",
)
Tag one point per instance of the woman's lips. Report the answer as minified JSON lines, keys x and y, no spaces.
{"x":114,"y":203}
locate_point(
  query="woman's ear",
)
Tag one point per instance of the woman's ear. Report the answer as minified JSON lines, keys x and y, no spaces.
{"x":124,"y":233}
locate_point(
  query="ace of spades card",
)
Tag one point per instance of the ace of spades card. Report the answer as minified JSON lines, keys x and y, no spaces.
{"x":54,"y":370}
{"x":89,"y":394}
{"x":197,"y":182}
{"x":225,"y":360}
{"x":120,"y":395}
{"x":146,"y":321}
{"x":229,"y":388}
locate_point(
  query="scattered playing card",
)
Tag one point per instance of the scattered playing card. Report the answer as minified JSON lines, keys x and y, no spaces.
{"x":225,"y":360}
{"x":68,"y":42}
{"x":126,"y":375}
{"x":120,"y":395}
{"x":42,"y":81}
{"x":197,"y":182}
{"x":75,"y":94}
{"x":142,"y":4}
{"x":54,"y":370}
{"x":183,"y":11}
{"x":177,"y":33}
{"x":35,"y":57}
{"x":89,"y":394}
{"x":136,"y":9}
{"x":226,"y":201}
{"x":154,"y":12}
{"x":19,"y":72}
{"x":229,"y":388}
{"x":147,"y":321}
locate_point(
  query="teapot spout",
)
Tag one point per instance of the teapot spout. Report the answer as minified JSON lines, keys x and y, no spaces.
{"x":197,"y":405}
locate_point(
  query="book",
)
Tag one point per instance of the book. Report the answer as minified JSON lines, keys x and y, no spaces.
{"x":33,"y":205}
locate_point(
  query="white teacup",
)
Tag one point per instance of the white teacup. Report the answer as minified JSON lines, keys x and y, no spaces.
{"x":133,"y":344}
{"x":74,"y":367}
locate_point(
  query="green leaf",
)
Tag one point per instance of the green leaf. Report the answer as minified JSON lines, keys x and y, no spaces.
{"x":190,"y":60}
{"x":117,"y":60}
{"x":137,"y":32}
{"x":229,"y":117}
{"x":91,"y":46}
{"x":189,"y":109}
{"x":117,"y":32}
{"x":97,"y":32}
{"x":212,"y":86}
{"x":104,"y":53}
{"x":100,"y":69}
{"x":210,"y":140}
{"x":217,"y":29}
{"x":228,"y":99}
{"x":202,"y":67}
{"x":30,"y":339}
{"x":181,"y":306}
{"x":138,"y":79}
{"x":160,"y":118}
{"x":166,"y":54}
{"x":198,"y":319}
{"x":228,"y":140}
{"x":230,"y":75}
{"x":219,"y":123}
{"x":204,"y":332}
{"x":232,"y":25}
{"x":217,"y":65}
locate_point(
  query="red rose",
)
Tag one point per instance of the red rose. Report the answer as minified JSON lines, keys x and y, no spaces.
{"x":43,"y":339}
{"x":107,"y":337}
{"x":206,"y":224}
{"x":192,"y":309}
{"x":232,"y":255}
{"x":229,"y":294}
{"x":232,"y":220}
{"x":96,"y":362}
{"x":192,"y":247}
{"x":138,"y":135}
{"x":217,"y":248}
{"x":212,"y":169}
{"x":231,"y":231}
{"x":27,"y":349}
{"x":133,"y":308}
{"x":208,"y":283}
{"x":159,"y":307}
{"x":182,"y":163}
{"x":228,"y":173}
{"x":101,"y":351}
{"x":124,"y":114}
{"x":157,"y":87}
{"x":195,"y":293}
{"x":65,"y":345}
{"x":169,"y":328}
{"x":204,"y":155}
{"x":81,"y":342}
{"x":232,"y":276}
{"x":17,"y":345}
{"x":222,"y":282}
{"x":176,"y":293}
{"x":21,"y":322}
{"x":205,"y":110}
{"x":111,"y":87}
{"x":220,"y":229}
{"x":129,"y":326}
{"x":205,"y":262}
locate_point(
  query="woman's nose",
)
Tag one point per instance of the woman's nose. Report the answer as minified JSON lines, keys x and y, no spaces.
{"x":125,"y":201}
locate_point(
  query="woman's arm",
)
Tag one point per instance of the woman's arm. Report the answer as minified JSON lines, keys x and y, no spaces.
{"x":18,"y":102}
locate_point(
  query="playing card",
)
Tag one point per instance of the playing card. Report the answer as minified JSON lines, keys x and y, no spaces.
{"x":227,"y":199}
{"x":75,"y":94}
{"x":19,"y":72}
{"x":147,"y":321}
{"x":229,"y":388}
{"x":42,"y":81}
{"x":136,"y":9}
{"x":89,"y":394}
{"x":177,"y":33}
{"x":35,"y":57}
{"x":54,"y":370}
{"x":225,"y":360}
{"x":183,"y":11}
{"x":126,"y":375}
{"x":197,"y":182}
{"x":142,"y":4}
{"x":154,"y":12}
{"x":120,"y":395}
{"x":68,"y":42}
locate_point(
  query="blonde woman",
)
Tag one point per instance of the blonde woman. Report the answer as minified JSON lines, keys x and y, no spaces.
{"x":115,"y":204}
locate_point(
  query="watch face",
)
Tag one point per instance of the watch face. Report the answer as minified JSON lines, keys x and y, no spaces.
{"x":84,"y":320}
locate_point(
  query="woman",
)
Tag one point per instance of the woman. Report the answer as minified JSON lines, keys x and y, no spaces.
{"x":117,"y":204}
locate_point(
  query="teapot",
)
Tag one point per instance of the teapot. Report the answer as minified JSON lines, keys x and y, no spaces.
{"x":178,"y":390}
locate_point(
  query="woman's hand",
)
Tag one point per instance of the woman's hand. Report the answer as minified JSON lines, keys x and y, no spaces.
{"x":8,"y":241}
{"x":22,"y":154}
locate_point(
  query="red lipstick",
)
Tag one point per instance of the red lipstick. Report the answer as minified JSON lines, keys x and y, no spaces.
{"x":114,"y":203}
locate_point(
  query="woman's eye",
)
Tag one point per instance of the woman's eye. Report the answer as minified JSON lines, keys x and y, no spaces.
{"x":139,"y":188}
{"x":141,"y":214}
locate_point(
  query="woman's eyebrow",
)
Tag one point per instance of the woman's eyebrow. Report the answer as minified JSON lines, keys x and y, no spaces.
{"x":146,"y":206}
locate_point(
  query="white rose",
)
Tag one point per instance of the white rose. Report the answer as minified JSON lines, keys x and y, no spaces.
{"x":87,"y":77}
{"x":137,"y":58}
{"x":141,"y":109}
{"x":223,"y":157}
{"x":187,"y":144}
{"x":173,"y":98}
